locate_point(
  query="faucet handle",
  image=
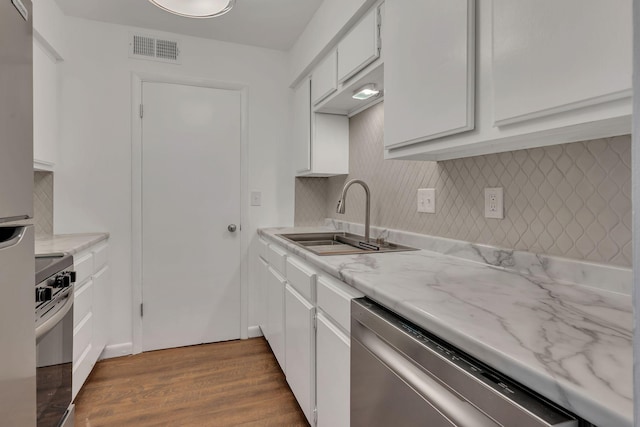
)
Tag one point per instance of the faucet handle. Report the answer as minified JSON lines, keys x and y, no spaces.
{"x":340,"y":208}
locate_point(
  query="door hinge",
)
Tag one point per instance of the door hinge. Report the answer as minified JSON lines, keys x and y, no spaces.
{"x":315,"y":322}
{"x":141,"y":111}
{"x":315,"y":417}
{"x":379,"y":30}
{"x":141,"y":310}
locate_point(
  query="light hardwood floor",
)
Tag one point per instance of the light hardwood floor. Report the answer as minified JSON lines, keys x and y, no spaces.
{"x":235,"y":383}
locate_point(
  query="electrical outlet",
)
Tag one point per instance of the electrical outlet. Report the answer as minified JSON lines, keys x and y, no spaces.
{"x":256,"y":198}
{"x":493,"y":203}
{"x":427,"y":200}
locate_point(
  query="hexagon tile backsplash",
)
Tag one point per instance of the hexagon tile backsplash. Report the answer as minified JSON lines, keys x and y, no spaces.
{"x":571,"y":200}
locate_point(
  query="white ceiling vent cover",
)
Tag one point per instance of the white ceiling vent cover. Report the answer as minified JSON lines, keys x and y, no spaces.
{"x":154,"y":49}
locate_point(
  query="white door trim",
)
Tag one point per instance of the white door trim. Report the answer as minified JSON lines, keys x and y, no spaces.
{"x":137,"y":78}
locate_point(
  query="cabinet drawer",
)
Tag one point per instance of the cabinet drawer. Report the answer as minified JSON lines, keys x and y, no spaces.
{"x":83,"y":266}
{"x":302,"y":278}
{"x":100,"y":257}
{"x":277,"y":259}
{"x":82,"y":302}
{"x":82,"y":336}
{"x":263,"y":249}
{"x":334,"y":298}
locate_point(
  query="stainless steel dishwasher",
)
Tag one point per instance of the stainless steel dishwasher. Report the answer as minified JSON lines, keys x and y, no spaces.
{"x":404,"y":376}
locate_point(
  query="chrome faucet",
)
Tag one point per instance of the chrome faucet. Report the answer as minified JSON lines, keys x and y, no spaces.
{"x":341,"y":204}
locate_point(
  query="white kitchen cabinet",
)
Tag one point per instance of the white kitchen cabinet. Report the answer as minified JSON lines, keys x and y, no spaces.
{"x":275,"y":316}
{"x":542,"y":65}
{"x":320,"y":141}
{"x":262,"y":275}
{"x":546,"y":75}
{"x":360,"y":47}
{"x":333,"y":368}
{"x":324,"y":79}
{"x":429,"y":70}
{"x":300,"y":350}
{"x":45,"y":107}
{"x":302,"y":127}
{"x":91,"y":307}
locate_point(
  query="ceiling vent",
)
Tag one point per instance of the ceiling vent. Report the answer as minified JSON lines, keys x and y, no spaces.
{"x":154,"y":49}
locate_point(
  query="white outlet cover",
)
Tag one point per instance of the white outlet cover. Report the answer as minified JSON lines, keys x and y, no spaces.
{"x":427,"y":200}
{"x":494,"y":203}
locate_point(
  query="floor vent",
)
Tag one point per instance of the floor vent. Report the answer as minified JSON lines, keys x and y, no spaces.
{"x":154,"y":49}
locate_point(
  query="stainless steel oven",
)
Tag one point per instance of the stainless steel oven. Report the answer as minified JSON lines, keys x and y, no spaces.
{"x":402,"y":375}
{"x":54,"y":340}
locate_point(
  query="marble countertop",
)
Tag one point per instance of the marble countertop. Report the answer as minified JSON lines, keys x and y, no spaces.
{"x":570,"y":343}
{"x":68,"y":243}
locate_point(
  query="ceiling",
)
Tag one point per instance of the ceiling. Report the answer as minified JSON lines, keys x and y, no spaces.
{"x":274,"y":24}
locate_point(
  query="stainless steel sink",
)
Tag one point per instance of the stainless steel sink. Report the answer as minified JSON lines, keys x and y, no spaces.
{"x":336,"y":243}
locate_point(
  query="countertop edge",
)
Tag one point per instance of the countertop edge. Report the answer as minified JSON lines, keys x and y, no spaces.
{"x":69,"y":243}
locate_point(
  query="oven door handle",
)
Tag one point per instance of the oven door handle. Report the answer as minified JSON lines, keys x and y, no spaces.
{"x":51,"y":322}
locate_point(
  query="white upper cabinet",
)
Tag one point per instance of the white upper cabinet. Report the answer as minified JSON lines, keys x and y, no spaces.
{"x":320,"y":141}
{"x":360,"y":47}
{"x":302,"y":127}
{"x":429,"y":70}
{"x":553,"y":56}
{"x":324,"y":80}
{"x":45,"y":107}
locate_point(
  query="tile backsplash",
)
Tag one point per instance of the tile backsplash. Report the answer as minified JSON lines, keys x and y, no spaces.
{"x":43,"y":203}
{"x":571,"y":200}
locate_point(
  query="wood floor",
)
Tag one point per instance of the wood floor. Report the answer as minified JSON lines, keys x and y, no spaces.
{"x":235,"y":383}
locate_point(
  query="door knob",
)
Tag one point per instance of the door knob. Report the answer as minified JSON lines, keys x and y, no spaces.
{"x":232,"y":228}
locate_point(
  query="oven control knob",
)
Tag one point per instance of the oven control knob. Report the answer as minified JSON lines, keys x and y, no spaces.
{"x":58,"y":281}
{"x":43,"y":294}
{"x":72,"y":275}
{"x":66,"y":280}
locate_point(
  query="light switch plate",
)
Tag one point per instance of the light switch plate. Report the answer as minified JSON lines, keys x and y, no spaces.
{"x":427,"y":200}
{"x":256,"y":198}
{"x":493,"y":203}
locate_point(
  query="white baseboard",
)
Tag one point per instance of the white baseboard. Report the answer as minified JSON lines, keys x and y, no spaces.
{"x":254,"y":331}
{"x":117,"y":350}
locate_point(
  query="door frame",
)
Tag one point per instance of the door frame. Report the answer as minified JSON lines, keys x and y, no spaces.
{"x":137,"y":79}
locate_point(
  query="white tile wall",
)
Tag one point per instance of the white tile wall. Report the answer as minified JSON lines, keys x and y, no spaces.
{"x":43,"y":203}
{"x":571,"y":200}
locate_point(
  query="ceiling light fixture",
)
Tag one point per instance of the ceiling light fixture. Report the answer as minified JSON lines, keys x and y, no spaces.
{"x":366,"y":92}
{"x":195,"y":8}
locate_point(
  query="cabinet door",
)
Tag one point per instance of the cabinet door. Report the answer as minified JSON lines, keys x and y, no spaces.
{"x":324,"y":80}
{"x":45,"y":107}
{"x":262,"y":276}
{"x":101,"y":304}
{"x":302,"y":127}
{"x":429,"y":70}
{"x":333,"y":368}
{"x":275,"y":320}
{"x":300,"y":345}
{"x":360,"y":47}
{"x":553,"y":56}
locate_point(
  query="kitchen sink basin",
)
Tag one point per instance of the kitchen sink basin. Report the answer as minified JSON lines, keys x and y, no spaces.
{"x":338,"y":243}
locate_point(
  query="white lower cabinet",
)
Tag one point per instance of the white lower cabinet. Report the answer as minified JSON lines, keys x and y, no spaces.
{"x":333,"y":367}
{"x":300,"y":350}
{"x":275,"y":315}
{"x":90,"y":311}
{"x":307,"y":326}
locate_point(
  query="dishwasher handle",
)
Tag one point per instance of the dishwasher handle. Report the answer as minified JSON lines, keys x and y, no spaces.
{"x":453,"y":407}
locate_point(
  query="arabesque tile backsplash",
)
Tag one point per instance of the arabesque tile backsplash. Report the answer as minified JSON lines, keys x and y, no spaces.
{"x":571,"y":200}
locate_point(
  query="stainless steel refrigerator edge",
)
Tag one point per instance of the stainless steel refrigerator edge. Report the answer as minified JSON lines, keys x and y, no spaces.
{"x":17,"y":333}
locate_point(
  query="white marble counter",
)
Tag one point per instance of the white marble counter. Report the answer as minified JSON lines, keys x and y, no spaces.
{"x":570,"y":343}
{"x":68,"y":243}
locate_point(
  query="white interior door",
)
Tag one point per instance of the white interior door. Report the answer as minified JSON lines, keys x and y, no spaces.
{"x":190,"y":194}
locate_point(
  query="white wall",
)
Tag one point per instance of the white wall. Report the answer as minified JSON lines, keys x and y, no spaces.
{"x":93,"y":175}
